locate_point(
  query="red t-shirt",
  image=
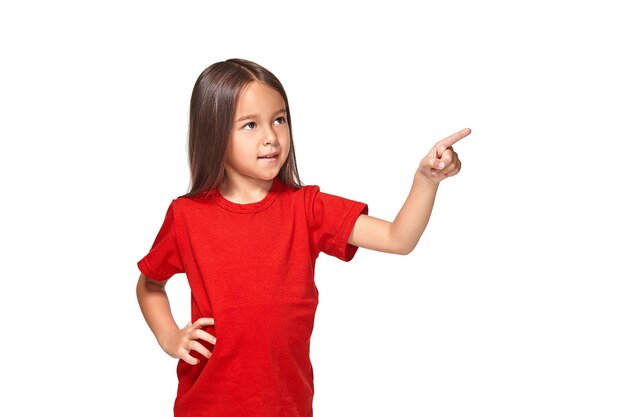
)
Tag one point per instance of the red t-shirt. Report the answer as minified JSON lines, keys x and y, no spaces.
{"x":251,"y":268}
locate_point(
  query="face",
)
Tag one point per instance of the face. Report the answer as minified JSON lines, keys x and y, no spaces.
{"x":259,"y":140}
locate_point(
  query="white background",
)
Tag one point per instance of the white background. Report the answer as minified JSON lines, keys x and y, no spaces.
{"x":511,"y":305}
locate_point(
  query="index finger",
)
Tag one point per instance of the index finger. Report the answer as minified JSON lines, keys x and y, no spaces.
{"x":204,"y":321}
{"x":454,"y":138}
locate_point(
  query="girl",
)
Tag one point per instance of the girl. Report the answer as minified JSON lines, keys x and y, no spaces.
{"x":247,"y":236}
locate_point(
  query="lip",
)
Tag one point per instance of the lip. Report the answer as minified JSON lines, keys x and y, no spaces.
{"x":271,"y":155}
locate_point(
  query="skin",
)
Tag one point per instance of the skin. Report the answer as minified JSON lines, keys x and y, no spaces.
{"x":401,"y":235}
{"x":261,"y":128}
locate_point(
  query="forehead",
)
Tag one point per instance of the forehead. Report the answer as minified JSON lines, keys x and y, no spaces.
{"x":258,"y":98}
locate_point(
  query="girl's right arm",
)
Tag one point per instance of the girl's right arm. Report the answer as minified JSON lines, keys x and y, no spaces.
{"x":401,"y":235}
{"x":176,"y":342}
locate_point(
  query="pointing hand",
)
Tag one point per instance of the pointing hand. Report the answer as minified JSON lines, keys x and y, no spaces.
{"x":441,"y":162}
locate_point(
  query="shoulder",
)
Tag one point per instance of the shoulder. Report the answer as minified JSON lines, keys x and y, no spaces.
{"x":315,"y":195}
{"x":305,"y":194}
{"x":183,"y":204}
{"x":306,"y":189}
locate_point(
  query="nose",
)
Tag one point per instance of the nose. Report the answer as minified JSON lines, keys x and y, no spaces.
{"x":270,"y":137}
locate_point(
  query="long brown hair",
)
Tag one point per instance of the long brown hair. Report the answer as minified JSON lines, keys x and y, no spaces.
{"x":212,"y":111}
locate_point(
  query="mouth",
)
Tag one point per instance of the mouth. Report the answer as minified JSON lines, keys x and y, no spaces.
{"x":272,"y":155}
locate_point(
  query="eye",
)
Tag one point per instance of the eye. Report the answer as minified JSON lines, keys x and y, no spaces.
{"x":280,"y":120}
{"x":249,"y":126}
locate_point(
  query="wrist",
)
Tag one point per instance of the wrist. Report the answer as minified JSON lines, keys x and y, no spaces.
{"x":165,"y":338}
{"x":421,"y":180}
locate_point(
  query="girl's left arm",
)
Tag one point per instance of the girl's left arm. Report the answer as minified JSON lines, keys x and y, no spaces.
{"x":401,"y":235}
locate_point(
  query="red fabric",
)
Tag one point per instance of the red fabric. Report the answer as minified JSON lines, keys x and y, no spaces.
{"x":251,"y":267}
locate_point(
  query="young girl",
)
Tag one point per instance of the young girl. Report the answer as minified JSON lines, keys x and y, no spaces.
{"x":247,"y":236}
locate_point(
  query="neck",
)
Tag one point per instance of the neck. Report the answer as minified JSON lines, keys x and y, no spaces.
{"x":245,"y":190}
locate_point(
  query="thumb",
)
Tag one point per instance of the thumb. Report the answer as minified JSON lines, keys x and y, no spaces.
{"x":436,"y":163}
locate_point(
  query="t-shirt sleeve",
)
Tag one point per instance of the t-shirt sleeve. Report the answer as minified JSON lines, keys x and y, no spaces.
{"x":163,"y":260}
{"x":331,"y":219}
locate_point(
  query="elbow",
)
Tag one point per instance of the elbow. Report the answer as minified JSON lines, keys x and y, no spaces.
{"x":400,"y":242}
{"x":402,"y":245}
{"x":404,"y":249}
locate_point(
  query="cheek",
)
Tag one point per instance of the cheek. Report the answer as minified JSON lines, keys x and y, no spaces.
{"x":286,"y":148}
{"x":286,"y":142}
{"x":238,"y":150}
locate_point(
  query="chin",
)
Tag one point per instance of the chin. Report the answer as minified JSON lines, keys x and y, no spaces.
{"x":269,"y":177}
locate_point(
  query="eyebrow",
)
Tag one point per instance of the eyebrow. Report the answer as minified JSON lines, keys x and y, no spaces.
{"x":252,"y":116}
